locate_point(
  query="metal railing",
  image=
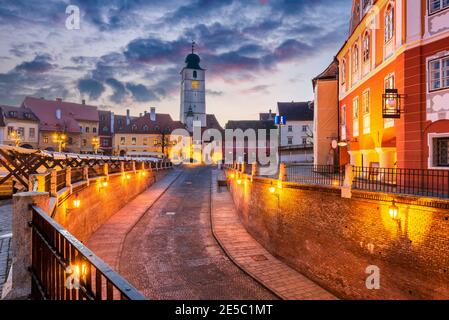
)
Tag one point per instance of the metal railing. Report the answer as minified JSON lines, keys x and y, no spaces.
{"x":60,"y":179}
{"x":77,"y":175}
{"x":316,"y":174}
{"x":48,"y":182}
{"x":63,"y":268}
{"x":95,"y":171}
{"x":419,"y":182}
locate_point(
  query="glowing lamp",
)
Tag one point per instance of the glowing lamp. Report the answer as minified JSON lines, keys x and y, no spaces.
{"x":272,"y":189}
{"x":77,"y":203}
{"x":104,"y":184}
{"x":393,"y":210}
{"x":128,"y":176}
{"x":342,"y":144}
{"x":143,"y":173}
{"x":239,"y":181}
{"x":232,"y":175}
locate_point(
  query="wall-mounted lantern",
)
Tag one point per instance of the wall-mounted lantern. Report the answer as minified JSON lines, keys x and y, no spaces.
{"x":76,"y":203}
{"x":391,"y":104}
{"x":393,"y":210}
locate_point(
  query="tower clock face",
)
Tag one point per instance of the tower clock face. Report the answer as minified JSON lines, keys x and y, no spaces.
{"x":195,"y":84}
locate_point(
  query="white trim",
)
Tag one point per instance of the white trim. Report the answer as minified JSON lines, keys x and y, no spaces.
{"x":430,"y":138}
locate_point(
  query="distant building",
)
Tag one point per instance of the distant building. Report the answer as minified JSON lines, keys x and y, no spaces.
{"x":247,"y":150}
{"x":325,"y":128}
{"x":149,"y":134}
{"x":296,"y":137}
{"x":267,"y":116}
{"x":78,"y":122}
{"x":105,"y":131}
{"x":18,"y":126}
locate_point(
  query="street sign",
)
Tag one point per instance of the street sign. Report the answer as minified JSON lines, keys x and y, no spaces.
{"x":280,"y":120}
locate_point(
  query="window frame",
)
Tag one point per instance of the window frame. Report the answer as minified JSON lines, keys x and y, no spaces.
{"x":366,"y":51}
{"x":431,"y":160}
{"x":442,"y":7}
{"x":442,"y":78}
{"x":389,"y":12}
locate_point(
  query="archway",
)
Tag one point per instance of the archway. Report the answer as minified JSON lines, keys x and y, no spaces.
{"x":122,"y":153}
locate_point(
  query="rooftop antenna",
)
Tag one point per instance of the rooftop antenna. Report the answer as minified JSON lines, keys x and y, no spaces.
{"x":193,"y":46}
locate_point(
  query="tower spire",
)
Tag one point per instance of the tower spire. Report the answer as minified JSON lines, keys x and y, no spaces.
{"x":193,"y":46}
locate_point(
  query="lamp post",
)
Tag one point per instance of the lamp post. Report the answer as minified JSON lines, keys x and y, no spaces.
{"x":95,"y":144}
{"x":16,"y":137}
{"x":60,"y":139}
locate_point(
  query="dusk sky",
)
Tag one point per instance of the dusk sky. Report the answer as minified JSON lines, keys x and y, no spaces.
{"x":129,"y":53}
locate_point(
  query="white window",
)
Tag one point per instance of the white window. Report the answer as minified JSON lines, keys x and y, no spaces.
{"x":343,"y":72}
{"x":343,"y":123}
{"x":290,"y":140}
{"x":366,"y":112}
{"x":439,"y":74}
{"x":134,"y":141}
{"x":389,"y":23}
{"x":389,"y":84}
{"x":304,"y":128}
{"x":437,"y":5}
{"x":290,"y":128}
{"x":366,"y":4}
{"x":355,"y":117}
{"x":304,"y":141}
{"x":32,"y":133}
{"x":366,"y":47}
{"x":122,"y":140}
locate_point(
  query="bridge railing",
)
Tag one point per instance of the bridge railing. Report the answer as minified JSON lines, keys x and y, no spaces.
{"x":63,"y":268}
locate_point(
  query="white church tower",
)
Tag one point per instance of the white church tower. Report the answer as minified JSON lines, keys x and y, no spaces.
{"x":193,"y":92}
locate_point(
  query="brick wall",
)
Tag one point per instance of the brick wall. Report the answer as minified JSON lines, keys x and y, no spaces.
{"x":99,"y":204}
{"x":333,"y":240}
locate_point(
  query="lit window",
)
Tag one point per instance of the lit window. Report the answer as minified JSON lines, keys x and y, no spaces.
{"x":365,"y":101}
{"x":133,"y":141}
{"x":155,"y":142}
{"x":439,"y":74}
{"x":195,"y":84}
{"x":145,"y":141}
{"x":122,"y":140}
{"x":45,"y":139}
{"x":389,"y":24}
{"x":366,"y":47}
{"x":84,"y":142}
{"x":437,"y":5}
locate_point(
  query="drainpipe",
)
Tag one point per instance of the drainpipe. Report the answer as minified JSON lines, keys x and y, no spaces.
{"x":338,"y":110}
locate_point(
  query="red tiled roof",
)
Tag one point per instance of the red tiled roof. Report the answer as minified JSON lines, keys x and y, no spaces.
{"x":24,"y":114}
{"x":71,"y":113}
{"x":144,"y":124}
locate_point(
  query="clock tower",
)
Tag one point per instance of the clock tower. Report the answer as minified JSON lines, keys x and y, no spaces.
{"x":193,"y":92}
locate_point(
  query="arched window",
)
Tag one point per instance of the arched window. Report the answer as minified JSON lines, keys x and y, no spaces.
{"x":343,"y":72}
{"x":195,"y":74}
{"x":366,"y":47}
{"x":389,"y":23}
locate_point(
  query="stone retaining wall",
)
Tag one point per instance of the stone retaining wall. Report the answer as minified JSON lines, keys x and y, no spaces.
{"x":333,"y":240}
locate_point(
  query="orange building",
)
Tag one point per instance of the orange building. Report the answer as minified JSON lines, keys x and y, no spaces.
{"x":394,"y":84}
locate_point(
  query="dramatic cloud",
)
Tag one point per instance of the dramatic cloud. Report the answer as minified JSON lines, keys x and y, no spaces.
{"x":130,"y":52}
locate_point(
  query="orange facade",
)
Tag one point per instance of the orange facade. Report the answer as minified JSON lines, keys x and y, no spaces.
{"x":391,"y":46}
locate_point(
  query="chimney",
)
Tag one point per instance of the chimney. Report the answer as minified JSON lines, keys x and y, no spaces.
{"x":153,"y":114}
{"x":59,"y":99}
{"x":128,"y":119}
{"x":83,"y":101}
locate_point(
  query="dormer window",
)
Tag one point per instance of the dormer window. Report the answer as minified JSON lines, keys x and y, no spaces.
{"x":145,"y":128}
{"x":134,"y":127}
{"x":26,"y":115}
{"x":366,"y":4}
{"x":12,"y":114}
{"x":389,"y":23}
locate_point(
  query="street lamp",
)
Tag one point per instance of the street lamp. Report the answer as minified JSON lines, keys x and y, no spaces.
{"x":16,"y":137}
{"x":60,"y":139}
{"x":95,"y":144}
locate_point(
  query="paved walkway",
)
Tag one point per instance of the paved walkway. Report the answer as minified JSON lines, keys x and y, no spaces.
{"x":5,"y":240}
{"x":247,"y":253}
{"x":172,"y":254}
{"x":107,"y":241}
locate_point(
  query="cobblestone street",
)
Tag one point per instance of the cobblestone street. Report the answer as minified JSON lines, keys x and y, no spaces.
{"x":172,"y":254}
{"x":5,"y":240}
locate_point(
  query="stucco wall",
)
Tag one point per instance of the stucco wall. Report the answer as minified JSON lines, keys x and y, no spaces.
{"x":99,"y":204}
{"x":333,"y":240}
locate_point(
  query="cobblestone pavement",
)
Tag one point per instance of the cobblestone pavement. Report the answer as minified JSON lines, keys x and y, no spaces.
{"x":172,"y":254}
{"x":5,"y":240}
{"x":252,"y":257}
